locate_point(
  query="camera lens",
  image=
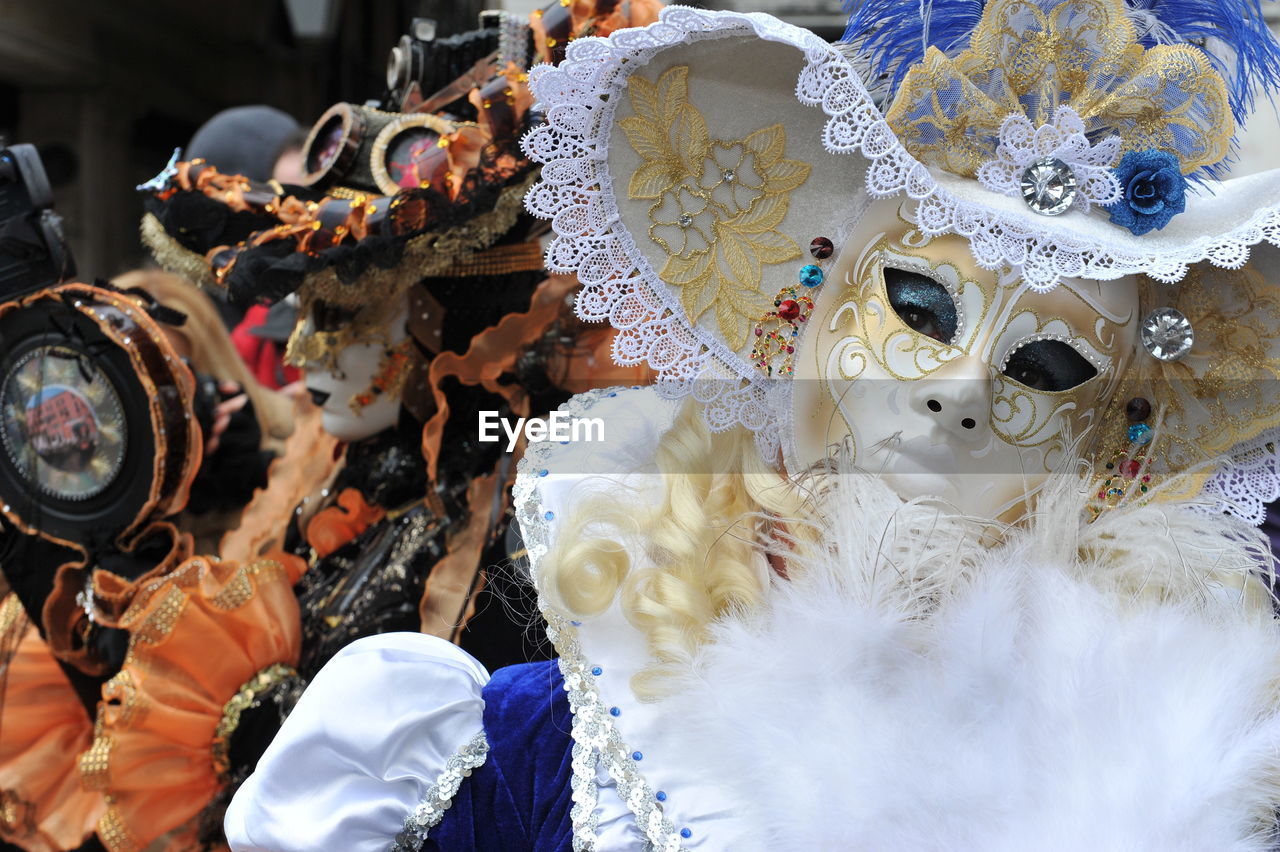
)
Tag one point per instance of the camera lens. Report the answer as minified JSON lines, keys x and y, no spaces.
{"x":398,"y":64}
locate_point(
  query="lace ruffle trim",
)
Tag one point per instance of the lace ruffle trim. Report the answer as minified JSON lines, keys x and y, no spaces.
{"x":1246,"y":484}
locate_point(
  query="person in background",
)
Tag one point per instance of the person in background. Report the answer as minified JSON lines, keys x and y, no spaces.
{"x":262,"y":143}
{"x":260,"y":338}
{"x":288,"y":167}
{"x":252,"y":141}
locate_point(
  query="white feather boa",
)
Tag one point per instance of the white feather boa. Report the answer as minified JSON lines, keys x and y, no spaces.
{"x":1079,"y":687}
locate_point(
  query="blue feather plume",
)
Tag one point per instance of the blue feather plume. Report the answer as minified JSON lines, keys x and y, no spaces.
{"x":894,"y":34}
{"x":1236,"y":24}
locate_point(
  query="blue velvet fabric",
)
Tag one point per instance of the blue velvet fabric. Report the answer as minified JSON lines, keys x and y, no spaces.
{"x":520,"y":798}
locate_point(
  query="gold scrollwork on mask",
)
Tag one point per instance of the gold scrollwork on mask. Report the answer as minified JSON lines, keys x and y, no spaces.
{"x":717,"y":203}
{"x":904,"y":354}
{"x":1027,"y":417}
{"x":993,"y":320}
{"x":318,"y":348}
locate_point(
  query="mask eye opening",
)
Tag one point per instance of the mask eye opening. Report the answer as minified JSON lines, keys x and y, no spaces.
{"x":1048,"y":364}
{"x":925,"y":305}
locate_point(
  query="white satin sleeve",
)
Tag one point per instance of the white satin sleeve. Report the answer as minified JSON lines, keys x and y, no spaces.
{"x":371,"y":734}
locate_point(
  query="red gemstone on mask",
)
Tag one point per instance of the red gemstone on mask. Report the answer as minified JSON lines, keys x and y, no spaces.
{"x":789,"y":309}
{"x":821,"y":248}
{"x":1131,"y":468}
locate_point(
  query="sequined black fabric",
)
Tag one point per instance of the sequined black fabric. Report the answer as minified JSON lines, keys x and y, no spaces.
{"x":388,"y":468}
{"x":370,"y":585}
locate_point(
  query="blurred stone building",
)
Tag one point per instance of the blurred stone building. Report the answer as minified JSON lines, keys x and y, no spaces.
{"x":108,"y":88}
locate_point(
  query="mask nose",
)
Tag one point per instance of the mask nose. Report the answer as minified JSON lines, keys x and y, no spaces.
{"x":958,"y":398}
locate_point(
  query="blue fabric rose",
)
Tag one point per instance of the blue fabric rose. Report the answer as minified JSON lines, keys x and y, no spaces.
{"x":1152,"y":191}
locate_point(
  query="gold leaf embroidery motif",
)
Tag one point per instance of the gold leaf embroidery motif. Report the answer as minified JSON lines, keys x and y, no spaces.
{"x":717,"y":203}
{"x":1223,"y":392}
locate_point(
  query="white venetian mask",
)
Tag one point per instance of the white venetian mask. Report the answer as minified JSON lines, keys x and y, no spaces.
{"x":354,"y":373}
{"x":947,"y":382}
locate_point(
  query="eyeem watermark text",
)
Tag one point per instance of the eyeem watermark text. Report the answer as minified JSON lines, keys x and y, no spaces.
{"x":557,"y":426}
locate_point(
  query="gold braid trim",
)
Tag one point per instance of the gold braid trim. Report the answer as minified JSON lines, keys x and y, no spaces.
{"x":429,"y":255}
{"x":240,"y":702}
{"x":347,"y":192}
{"x":501,"y":260}
{"x":95,"y":761}
{"x":173,"y":256}
{"x":114,"y":834}
{"x":17,"y":815}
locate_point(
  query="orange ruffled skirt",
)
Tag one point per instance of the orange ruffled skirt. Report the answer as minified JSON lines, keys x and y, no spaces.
{"x":43,"y":726}
{"x":196,"y":637}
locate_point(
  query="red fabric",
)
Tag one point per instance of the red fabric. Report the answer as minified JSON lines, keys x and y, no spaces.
{"x":262,"y":356}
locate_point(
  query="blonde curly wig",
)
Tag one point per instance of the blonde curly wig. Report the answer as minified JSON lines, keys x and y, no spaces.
{"x":704,"y":544}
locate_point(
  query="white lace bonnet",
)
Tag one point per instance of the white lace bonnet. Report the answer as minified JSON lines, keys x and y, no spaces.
{"x":698,"y":171}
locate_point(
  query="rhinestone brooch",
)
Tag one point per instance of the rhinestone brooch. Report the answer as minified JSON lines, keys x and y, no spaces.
{"x":1049,"y":186}
{"x":1167,"y":334}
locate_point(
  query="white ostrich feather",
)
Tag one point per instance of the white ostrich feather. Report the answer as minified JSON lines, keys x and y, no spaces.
{"x":1076,"y":687}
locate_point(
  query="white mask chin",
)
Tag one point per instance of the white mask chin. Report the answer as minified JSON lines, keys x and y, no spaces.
{"x":357,"y":364}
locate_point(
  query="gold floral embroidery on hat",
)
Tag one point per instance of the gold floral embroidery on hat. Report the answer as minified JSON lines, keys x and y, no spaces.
{"x":717,"y":202}
{"x":1084,"y":54}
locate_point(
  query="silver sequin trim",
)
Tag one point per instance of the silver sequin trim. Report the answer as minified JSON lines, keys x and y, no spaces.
{"x":440,"y":795}
{"x":596,"y":741}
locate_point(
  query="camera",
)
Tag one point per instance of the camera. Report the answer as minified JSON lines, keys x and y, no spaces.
{"x":421,"y":64}
{"x":33,"y":248}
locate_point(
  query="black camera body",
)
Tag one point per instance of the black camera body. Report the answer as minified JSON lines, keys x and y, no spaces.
{"x":33,"y":248}
{"x":422,"y":61}
{"x":425,"y":66}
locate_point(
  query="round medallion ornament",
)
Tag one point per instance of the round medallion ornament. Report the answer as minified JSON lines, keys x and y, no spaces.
{"x":1049,"y":186}
{"x":1167,"y":334}
{"x":96,"y":430}
{"x":61,"y":423}
{"x":411,"y":153}
{"x":332,"y":145}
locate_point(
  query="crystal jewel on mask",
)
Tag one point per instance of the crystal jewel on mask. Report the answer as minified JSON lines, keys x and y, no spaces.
{"x":1167,"y":334}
